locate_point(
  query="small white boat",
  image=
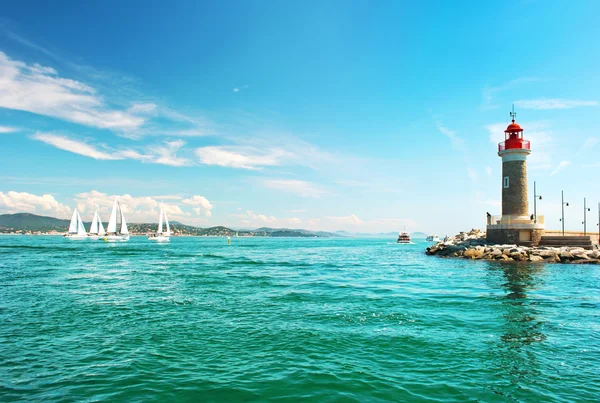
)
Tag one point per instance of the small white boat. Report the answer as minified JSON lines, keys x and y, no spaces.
{"x":112,"y":235}
{"x":76,"y":229}
{"x":432,"y":238}
{"x":96,"y":229}
{"x":403,"y":237}
{"x":161,"y":236}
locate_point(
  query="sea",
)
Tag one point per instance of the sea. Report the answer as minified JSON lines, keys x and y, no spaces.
{"x":290,"y":319}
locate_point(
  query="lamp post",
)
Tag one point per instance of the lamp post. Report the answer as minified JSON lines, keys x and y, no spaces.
{"x":585,"y":210}
{"x":562,"y":197}
{"x":535,"y":199}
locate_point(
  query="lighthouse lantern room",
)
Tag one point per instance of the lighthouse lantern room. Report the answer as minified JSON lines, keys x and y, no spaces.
{"x":515,"y":226}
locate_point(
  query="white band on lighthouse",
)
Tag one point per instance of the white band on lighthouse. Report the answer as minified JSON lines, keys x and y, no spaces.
{"x":514,"y":155}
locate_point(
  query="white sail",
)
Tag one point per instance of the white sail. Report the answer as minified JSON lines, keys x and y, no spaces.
{"x":101,"y":231}
{"x":160,"y":220}
{"x":112,"y":222}
{"x":124,"y":229}
{"x":168,"y":233}
{"x":94,"y":226}
{"x":80,"y":228}
{"x":73,"y":225}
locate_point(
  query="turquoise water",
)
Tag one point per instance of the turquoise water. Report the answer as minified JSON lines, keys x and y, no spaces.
{"x":291,"y":320}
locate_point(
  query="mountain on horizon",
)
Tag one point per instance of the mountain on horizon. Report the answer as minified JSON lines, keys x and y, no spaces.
{"x":27,"y":222}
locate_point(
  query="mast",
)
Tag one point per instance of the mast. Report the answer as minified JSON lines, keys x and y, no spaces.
{"x":160,"y":220}
{"x":124,"y":229}
{"x":168,"y":233}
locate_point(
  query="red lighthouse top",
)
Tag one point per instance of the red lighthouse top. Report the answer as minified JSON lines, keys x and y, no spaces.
{"x":513,"y":136}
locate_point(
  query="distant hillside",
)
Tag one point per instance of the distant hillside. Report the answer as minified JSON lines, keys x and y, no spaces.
{"x":31,"y":222}
{"x":27,"y":223}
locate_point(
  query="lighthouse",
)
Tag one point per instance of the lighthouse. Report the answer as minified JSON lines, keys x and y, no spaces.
{"x":515,"y":226}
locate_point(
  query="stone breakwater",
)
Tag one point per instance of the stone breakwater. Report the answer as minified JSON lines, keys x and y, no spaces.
{"x":473,"y":245}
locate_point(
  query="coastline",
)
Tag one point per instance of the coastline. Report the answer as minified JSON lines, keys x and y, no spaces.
{"x":473,"y":245}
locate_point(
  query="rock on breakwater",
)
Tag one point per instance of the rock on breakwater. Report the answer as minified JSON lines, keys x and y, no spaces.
{"x":473,"y":245}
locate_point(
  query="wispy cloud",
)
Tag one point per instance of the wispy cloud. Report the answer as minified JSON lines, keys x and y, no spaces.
{"x":7,"y":129}
{"x":457,"y":142}
{"x":241,"y":156}
{"x":74,"y":146}
{"x":164,"y":153}
{"x":39,"y":89}
{"x":562,"y":165}
{"x":238,"y":89}
{"x":351,"y":219}
{"x":589,"y":143}
{"x":553,"y":103}
{"x":489,"y":92}
{"x":301,"y":188}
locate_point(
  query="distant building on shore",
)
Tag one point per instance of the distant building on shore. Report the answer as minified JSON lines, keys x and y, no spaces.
{"x":515,"y":226}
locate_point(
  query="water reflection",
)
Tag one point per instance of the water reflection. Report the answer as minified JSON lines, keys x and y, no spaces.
{"x":513,"y":353}
{"x":523,"y":325}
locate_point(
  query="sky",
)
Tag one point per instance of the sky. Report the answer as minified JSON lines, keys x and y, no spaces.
{"x":340,"y":115}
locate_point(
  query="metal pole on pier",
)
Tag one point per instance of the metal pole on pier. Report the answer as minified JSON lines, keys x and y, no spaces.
{"x":562,"y":197}
{"x":535,"y":199}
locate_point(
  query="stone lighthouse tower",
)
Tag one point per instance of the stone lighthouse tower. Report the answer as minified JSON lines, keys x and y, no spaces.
{"x":515,"y":226}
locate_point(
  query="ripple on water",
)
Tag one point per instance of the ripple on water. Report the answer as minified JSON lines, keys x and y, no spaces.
{"x":290,"y":319}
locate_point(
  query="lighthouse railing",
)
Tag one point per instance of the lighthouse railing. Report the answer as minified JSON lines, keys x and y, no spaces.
{"x":497,"y":219}
{"x":524,"y":144}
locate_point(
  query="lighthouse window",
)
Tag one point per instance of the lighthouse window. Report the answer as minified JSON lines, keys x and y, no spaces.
{"x":506,"y":182}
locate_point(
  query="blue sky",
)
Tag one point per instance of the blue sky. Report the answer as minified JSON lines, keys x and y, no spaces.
{"x":359,"y":116}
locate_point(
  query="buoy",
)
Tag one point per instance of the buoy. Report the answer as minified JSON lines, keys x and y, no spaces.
{"x":228,"y":241}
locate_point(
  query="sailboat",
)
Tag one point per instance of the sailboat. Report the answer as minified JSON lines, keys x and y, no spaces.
{"x":76,"y":229}
{"x":112,"y":235}
{"x":161,"y":236}
{"x":96,"y":229}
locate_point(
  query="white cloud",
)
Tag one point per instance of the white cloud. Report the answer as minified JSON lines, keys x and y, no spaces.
{"x":201,"y":205}
{"x":22,"y":202}
{"x":553,"y":103}
{"x":167,"y":154}
{"x":562,"y":165}
{"x":39,"y":89}
{"x":139,"y":208}
{"x":74,"y":146}
{"x":302,"y":188}
{"x":6,"y":129}
{"x":241,"y":156}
